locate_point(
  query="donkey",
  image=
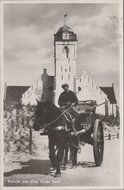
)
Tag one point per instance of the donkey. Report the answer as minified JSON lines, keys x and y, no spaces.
{"x":52,"y":120}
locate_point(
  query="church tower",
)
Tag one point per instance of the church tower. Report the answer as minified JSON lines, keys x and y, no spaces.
{"x":65,"y":57}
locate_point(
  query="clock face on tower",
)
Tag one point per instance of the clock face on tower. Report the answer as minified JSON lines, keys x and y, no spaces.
{"x":65,"y":36}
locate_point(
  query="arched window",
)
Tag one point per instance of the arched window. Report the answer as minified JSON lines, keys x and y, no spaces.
{"x":66,"y":51}
{"x":79,"y":88}
{"x":68,"y":77}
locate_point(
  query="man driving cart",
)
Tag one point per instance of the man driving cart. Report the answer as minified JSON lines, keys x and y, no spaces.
{"x":67,"y":100}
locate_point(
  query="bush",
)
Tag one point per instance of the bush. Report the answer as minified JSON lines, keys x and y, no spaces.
{"x":16,"y":129}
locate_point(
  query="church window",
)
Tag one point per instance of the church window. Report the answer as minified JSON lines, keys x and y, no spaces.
{"x":61,"y":67}
{"x":80,"y":79}
{"x":55,"y":83}
{"x":66,"y":51}
{"x":62,"y":77}
{"x":92,"y":83}
{"x":69,"y":68}
{"x":68,"y":77}
{"x":79,"y":88}
{"x":65,"y":70}
{"x":88,"y":79}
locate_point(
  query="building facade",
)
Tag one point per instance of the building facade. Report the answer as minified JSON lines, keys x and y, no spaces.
{"x":42,"y":88}
{"x":65,"y":61}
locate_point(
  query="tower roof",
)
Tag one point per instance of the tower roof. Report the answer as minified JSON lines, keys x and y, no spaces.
{"x":65,"y":29}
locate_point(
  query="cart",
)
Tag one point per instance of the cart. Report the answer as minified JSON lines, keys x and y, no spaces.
{"x":92,"y":128}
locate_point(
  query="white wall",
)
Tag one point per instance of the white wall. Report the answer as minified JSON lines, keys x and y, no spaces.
{"x":34,"y":92}
{"x":65,"y":66}
{"x":90,"y":91}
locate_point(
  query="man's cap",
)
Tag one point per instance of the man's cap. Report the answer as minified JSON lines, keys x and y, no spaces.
{"x":65,"y":85}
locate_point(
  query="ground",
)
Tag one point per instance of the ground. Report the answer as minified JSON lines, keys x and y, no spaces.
{"x":34,"y":170}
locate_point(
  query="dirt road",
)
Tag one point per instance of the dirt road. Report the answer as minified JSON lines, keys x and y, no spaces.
{"x":35,"y":171}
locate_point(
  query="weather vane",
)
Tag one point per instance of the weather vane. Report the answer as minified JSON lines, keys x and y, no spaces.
{"x":65,"y":18}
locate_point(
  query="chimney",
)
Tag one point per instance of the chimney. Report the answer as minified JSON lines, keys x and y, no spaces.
{"x":44,"y":70}
{"x":44,"y":74}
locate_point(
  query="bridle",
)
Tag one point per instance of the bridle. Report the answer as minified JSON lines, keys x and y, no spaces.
{"x":44,"y":126}
{"x":63,"y":113}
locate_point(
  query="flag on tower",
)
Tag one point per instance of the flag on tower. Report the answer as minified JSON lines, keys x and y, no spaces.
{"x":65,"y":18}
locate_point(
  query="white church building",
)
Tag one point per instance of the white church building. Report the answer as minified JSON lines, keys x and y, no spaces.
{"x":65,"y":61}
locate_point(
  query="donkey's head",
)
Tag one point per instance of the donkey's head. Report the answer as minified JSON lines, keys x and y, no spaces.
{"x":41,"y":114}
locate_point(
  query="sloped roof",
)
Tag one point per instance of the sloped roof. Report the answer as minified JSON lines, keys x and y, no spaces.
{"x":65,"y":28}
{"x":14,"y":94}
{"x":109,"y":91}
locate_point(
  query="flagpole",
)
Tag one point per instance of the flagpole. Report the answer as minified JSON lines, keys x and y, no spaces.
{"x":65,"y":19}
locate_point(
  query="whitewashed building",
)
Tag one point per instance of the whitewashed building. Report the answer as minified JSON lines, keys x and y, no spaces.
{"x":65,"y":61}
{"x":41,"y":88}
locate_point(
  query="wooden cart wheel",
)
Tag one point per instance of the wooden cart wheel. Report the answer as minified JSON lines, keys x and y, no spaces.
{"x":98,"y":142}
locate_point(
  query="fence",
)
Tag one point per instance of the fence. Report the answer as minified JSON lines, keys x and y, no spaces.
{"x":110,"y":132}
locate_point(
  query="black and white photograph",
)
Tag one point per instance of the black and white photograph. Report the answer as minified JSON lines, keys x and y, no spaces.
{"x":61,"y":94}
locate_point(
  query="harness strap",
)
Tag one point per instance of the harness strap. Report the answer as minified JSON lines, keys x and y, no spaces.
{"x":67,"y":118}
{"x":63,"y":113}
{"x":46,"y":125}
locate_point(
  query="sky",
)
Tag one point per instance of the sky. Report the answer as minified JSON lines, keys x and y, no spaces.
{"x":29,"y":36}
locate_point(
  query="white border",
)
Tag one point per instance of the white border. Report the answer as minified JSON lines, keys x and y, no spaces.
{"x":121,"y":96}
{"x":60,"y":1}
{"x":120,"y":2}
{"x":1,"y":94}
